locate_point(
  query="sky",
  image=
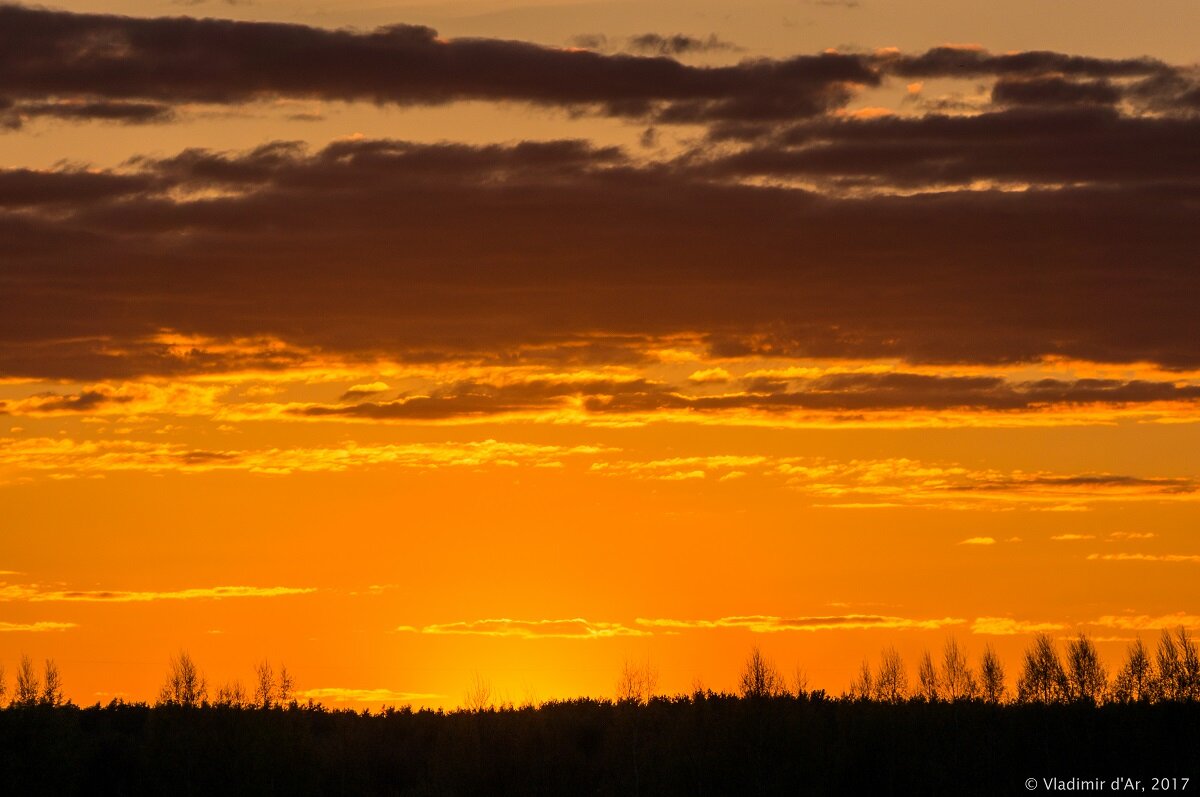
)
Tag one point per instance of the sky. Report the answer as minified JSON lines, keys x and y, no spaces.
{"x":413,"y":345}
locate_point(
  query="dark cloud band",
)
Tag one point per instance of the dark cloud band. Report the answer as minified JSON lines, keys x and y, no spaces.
{"x":428,"y":252}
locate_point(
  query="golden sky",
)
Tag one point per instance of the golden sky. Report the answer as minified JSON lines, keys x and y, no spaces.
{"x":412,"y":343}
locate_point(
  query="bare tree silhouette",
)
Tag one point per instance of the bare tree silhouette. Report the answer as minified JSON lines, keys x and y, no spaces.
{"x":800,"y":681}
{"x":1134,"y":682}
{"x":264,"y":684}
{"x":991,"y":677}
{"x":1170,"y":683}
{"x":1189,"y":671}
{"x":28,"y":688}
{"x":957,"y":680}
{"x":3,"y":685}
{"x":285,"y":685}
{"x":52,"y":692}
{"x":862,"y":687}
{"x":759,"y":677}
{"x":927,"y":679}
{"x":185,"y":685}
{"x":479,"y":695}
{"x":1178,"y":667}
{"x":232,"y":694}
{"x":1042,"y":677}
{"x":637,"y":682}
{"x":891,"y":680}
{"x":1087,"y":680}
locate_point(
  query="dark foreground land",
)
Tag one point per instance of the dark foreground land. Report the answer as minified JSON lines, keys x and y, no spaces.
{"x":706,"y":745}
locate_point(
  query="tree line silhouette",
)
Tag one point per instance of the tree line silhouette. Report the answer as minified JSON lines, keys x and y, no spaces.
{"x":1172,"y":673}
{"x":958,"y":726}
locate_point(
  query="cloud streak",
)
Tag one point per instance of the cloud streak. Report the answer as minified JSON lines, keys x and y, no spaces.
{"x":339,"y":694}
{"x":770,"y":624}
{"x":1171,"y":558}
{"x":92,"y":457}
{"x":1008,"y":626}
{"x":34,"y":593}
{"x":41,"y":626}
{"x":572,"y":628}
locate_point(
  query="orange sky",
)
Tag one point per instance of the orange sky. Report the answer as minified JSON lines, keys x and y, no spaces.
{"x":523,"y":374}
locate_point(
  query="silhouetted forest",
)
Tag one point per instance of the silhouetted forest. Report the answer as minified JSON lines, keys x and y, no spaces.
{"x":700,"y":744}
{"x":955,"y":730}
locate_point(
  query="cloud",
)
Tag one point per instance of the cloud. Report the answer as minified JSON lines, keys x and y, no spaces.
{"x":34,"y":593}
{"x":1072,"y":537}
{"x":767,"y":270}
{"x":179,"y":59}
{"x":959,"y":61}
{"x":38,"y":627}
{"x":1145,"y":557}
{"x":359,"y":392}
{"x":678,"y":44}
{"x":1054,"y":90}
{"x":1007,"y":626}
{"x":575,"y":628}
{"x":1079,"y":144}
{"x":715,"y":376}
{"x":472,"y":398}
{"x":123,"y":112}
{"x":655,"y":44}
{"x":53,"y":403}
{"x":68,"y":456}
{"x":338,"y":694}
{"x":978,"y":541}
{"x":1144,"y":622}
{"x":838,"y":392}
{"x":29,"y":188}
{"x":767,"y":624}
{"x":826,"y":482}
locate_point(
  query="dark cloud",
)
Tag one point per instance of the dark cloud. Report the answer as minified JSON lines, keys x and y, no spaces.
{"x":356,"y":395}
{"x":179,"y":59}
{"x":1054,"y":91}
{"x":86,"y":401}
{"x":1094,"y":481}
{"x":974,"y":62}
{"x":655,"y":44}
{"x":564,"y":252}
{"x":854,"y":392}
{"x":1166,"y":92}
{"x":14,"y":115}
{"x":92,"y":66}
{"x":26,"y":188}
{"x":842,"y":393}
{"x":678,"y":44}
{"x":467,"y":399}
{"x":590,"y":41}
{"x":1031,"y":145}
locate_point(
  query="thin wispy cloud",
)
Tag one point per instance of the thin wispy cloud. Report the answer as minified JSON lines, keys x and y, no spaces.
{"x":572,"y":628}
{"x":768,"y":624}
{"x":1145,"y":557}
{"x":1145,"y":622}
{"x":92,"y":457}
{"x":338,"y":694}
{"x":1008,"y":626}
{"x":34,"y":628}
{"x":33,"y":593}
